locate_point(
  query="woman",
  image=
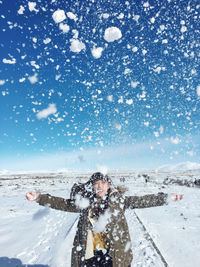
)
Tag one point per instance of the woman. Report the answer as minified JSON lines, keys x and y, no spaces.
{"x":102,"y":237}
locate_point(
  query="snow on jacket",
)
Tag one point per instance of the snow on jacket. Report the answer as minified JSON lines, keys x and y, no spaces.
{"x":115,"y":226}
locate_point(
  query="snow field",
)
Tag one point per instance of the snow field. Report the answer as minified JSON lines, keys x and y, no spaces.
{"x":39,"y":236}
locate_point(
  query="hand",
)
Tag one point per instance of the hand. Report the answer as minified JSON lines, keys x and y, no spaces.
{"x":176,"y":197}
{"x":31,"y":196}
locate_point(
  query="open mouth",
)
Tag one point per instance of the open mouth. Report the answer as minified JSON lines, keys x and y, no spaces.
{"x":99,"y":191}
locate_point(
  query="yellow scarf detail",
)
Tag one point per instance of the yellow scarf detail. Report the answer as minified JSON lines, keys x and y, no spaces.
{"x":98,"y":241}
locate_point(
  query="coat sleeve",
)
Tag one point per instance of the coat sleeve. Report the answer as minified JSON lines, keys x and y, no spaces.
{"x":146,"y":201}
{"x":58,"y":203}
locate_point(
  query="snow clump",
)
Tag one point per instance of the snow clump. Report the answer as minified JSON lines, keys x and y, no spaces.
{"x":112,"y":34}
{"x":33,"y":79}
{"x":9,"y":61}
{"x":105,"y":15}
{"x":134,"y":84}
{"x":58,"y":16}
{"x":129,"y":101}
{"x":64,"y":27}
{"x":152,"y":20}
{"x":31,"y":6}
{"x":118,"y":127}
{"x":76,"y":46}
{"x":82,"y":202}
{"x":110,"y":98}
{"x":2,"y":82}
{"x":102,"y":168}
{"x":103,"y":220}
{"x":97,"y":52}
{"x":183,"y":29}
{"x":198,"y":90}
{"x":72,"y":16}
{"x":47,"y":41}
{"x":135,"y":49}
{"x":21,"y":10}
{"x":46,"y":112}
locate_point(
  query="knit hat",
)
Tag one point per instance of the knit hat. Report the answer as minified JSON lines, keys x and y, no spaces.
{"x":99,"y":176}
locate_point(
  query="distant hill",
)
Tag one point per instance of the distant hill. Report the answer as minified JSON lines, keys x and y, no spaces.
{"x":183,"y":166}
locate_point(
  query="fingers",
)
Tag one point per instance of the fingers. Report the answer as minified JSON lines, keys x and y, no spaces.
{"x":31,"y":196}
{"x":176,"y":197}
{"x":180,"y":197}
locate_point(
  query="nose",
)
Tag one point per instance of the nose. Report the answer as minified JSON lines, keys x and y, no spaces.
{"x":99,"y":186}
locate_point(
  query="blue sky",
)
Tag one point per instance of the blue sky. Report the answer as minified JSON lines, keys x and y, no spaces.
{"x":73,"y":97}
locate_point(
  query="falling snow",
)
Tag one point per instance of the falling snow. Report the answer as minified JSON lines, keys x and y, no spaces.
{"x":127,"y":72}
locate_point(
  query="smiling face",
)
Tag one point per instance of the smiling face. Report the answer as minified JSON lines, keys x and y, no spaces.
{"x":101,"y":187}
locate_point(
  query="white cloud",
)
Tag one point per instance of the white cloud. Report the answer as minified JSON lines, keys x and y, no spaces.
{"x":112,"y":34}
{"x":175,"y":140}
{"x":58,"y":16}
{"x":131,"y":156}
{"x":76,"y":46}
{"x":102,"y":168}
{"x":190,"y":153}
{"x":46,"y":112}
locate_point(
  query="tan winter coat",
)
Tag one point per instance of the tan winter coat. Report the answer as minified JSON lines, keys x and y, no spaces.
{"x":115,"y":230}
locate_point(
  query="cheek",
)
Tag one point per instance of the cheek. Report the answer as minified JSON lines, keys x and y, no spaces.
{"x":105,"y":187}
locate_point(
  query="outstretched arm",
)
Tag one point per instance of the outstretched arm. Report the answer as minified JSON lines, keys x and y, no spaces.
{"x":152,"y":200}
{"x":146,"y":201}
{"x":57,"y":203}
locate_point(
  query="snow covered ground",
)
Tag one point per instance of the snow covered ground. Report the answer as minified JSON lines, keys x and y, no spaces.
{"x":31,"y":235}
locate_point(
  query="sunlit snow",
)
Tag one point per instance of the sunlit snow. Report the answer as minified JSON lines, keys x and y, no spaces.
{"x":76,"y":46}
{"x":112,"y":34}
{"x":58,"y":16}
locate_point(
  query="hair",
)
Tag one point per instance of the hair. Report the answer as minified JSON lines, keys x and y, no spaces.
{"x":99,"y":176}
{"x":97,"y":204}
